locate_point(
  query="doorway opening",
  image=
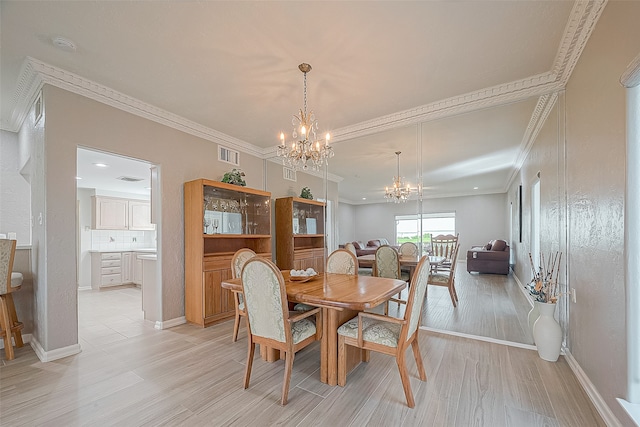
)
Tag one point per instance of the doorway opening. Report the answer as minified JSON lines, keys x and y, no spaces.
{"x":117,"y":243}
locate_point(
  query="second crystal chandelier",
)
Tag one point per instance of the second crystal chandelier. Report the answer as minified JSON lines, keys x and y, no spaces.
{"x":305,"y":150}
{"x":398,"y":192}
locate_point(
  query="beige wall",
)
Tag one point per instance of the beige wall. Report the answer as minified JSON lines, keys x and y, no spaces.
{"x":593,"y":117}
{"x":72,"y":121}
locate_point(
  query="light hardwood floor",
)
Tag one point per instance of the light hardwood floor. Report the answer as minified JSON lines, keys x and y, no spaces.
{"x":130,"y":374}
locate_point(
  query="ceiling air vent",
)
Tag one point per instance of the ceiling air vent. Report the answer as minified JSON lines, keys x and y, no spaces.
{"x":228,"y":156}
{"x":289,"y":174}
{"x":129,"y":179}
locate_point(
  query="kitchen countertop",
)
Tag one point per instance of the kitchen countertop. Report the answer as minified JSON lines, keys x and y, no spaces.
{"x":150,"y":257}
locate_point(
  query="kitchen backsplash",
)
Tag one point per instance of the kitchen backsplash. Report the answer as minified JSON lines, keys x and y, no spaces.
{"x":122,"y":239}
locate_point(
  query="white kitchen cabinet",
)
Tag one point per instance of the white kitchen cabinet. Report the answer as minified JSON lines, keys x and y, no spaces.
{"x":106,"y":269}
{"x":109,"y":213}
{"x":140,"y":215}
{"x":127,"y":267}
{"x":112,"y":213}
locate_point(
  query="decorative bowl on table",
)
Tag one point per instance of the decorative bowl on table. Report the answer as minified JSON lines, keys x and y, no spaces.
{"x":302,"y":275}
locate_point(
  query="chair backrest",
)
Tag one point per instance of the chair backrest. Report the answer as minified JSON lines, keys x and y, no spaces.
{"x":417,"y":294}
{"x":408,"y":249}
{"x":387,"y":262}
{"x":239,"y":259}
{"x":443,"y":245}
{"x":351,"y":248}
{"x":342,"y":261}
{"x":265,"y":298}
{"x":7,"y":252}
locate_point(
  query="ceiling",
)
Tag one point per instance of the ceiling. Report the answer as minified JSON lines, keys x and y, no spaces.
{"x":462,"y":79}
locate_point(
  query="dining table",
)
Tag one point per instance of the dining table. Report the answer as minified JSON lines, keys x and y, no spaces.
{"x":341,"y":297}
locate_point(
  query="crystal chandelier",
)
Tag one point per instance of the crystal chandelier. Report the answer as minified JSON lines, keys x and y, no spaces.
{"x":305,"y":149}
{"x":398,"y":192}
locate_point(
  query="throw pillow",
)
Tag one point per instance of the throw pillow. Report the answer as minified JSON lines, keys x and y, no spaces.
{"x":499,"y":245}
{"x":488,"y":246}
{"x":358,"y":245}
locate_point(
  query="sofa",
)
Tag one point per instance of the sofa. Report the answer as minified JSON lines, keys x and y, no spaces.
{"x":490,"y":258}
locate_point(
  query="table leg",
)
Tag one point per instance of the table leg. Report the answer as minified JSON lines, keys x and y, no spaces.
{"x":329,"y":346}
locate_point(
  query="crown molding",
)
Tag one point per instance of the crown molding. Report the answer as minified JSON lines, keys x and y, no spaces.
{"x":631,"y":77}
{"x":582,"y":20}
{"x":489,"y":97}
{"x":27,"y":88}
{"x":71,"y":82}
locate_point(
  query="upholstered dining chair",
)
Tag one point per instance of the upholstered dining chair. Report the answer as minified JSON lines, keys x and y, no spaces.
{"x":269,"y":321}
{"x":387,"y":262}
{"x":340,"y":261}
{"x":409,"y":249}
{"x":237,"y":262}
{"x":389,"y":335}
{"x":447,"y":278}
{"x":351,"y":248}
{"x":9,"y":282}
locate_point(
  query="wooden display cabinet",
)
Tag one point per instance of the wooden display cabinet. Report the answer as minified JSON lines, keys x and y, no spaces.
{"x":219,"y":219}
{"x":300,"y":234}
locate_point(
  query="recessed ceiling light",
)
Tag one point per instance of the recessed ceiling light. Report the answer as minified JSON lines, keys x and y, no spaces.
{"x":101,"y":165}
{"x":64,"y":43}
{"x":364,"y":198}
{"x":77,"y":177}
{"x":475,"y":188}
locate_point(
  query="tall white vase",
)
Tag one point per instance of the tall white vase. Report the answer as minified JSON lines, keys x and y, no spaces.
{"x":532,"y":317}
{"x":547,"y":332}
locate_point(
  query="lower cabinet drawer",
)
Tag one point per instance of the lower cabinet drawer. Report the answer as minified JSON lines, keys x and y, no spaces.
{"x":111,"y":263}
{"x":111,"y":279}
{"x":111,"y":270}
{"x":111,"y":255}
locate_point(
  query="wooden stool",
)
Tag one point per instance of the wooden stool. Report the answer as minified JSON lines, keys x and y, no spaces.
{"x":9,"y":282}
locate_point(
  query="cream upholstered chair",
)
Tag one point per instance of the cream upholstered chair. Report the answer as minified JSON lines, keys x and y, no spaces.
{"x":269,"y":321}
{"x":389,"y":335}
{"x":387,"y":263}
{"x":9,"y":282}
{"x":351,"y":248}
{"x":237,"y":262}
{"x":448,"y":278}
{"x":340,"y":261}
{"x":408,"y":249}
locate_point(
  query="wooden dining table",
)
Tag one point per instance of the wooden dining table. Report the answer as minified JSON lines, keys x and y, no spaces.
{"x":341,"y":297}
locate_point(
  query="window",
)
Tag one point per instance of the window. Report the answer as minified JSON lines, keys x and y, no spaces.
{"x":419,"y":228}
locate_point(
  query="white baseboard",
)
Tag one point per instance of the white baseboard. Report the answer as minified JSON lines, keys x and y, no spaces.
{"x":526,"y":294}
{"x":597,"y":400}
{"x":58,"y":353}
{"x":480,"y":338}
{"x":633,"y":409}
{"x":170,"y":323}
